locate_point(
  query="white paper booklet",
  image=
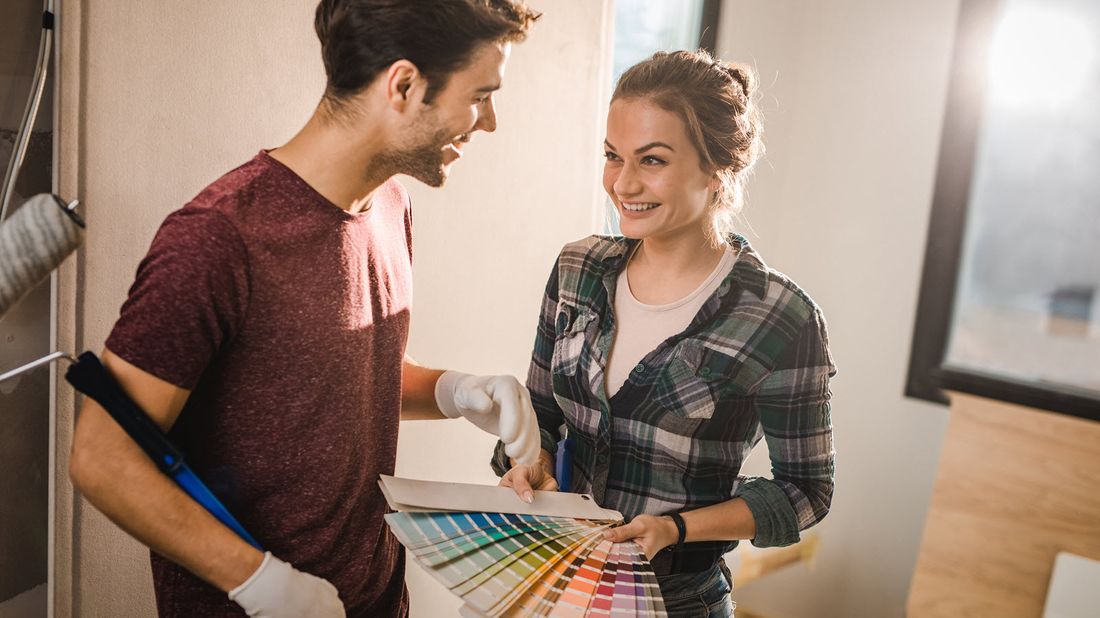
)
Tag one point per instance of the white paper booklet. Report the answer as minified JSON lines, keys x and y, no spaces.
{"x":412,"y":495}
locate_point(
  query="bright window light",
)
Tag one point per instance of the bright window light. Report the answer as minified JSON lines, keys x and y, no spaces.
{"x":1040,"y":58}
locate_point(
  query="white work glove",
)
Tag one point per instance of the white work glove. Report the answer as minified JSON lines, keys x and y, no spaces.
{"x":499,"y":405}
{"x":278,"y":590}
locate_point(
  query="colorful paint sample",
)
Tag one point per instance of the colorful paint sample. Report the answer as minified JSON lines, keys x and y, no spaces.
{"x":530,"y":565}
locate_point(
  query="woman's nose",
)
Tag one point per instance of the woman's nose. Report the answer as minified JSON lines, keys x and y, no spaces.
{"x":626,"y":183}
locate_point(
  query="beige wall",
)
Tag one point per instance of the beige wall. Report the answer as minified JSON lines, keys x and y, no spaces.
{"x":853,"y":92}
{"x":159,"y":98}
{"x":484,"y":246}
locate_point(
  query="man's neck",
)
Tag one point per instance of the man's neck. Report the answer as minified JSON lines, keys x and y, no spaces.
{"x":339,"y":163}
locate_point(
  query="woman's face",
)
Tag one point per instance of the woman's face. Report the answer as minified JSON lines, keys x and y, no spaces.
{"x":653,"y":173}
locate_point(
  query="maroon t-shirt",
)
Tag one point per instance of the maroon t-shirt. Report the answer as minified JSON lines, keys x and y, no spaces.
{"x":287,"y":317}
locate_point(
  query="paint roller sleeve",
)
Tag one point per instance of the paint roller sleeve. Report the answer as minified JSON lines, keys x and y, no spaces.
{"x":33,"y":242}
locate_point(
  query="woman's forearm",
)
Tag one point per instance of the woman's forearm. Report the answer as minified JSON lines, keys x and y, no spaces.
{"x":726,"y":521}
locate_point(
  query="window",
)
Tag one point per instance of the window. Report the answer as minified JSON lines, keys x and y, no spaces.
{"x":1010,"y":296}
{"x":643,"y":27}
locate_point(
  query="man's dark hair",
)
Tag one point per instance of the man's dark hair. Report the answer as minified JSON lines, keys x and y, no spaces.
{"x":360,"y":38}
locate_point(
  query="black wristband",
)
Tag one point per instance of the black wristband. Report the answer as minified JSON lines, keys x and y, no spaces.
{"x":681,"y":528}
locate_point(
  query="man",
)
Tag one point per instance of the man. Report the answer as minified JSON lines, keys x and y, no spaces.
{"x":267,"y":325}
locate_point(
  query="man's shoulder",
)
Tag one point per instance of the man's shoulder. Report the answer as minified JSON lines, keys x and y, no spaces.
{"x":239,"y":186}
{"x":211,"y":223}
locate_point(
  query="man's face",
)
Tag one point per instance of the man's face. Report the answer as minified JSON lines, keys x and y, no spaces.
{"x":464,"y":105}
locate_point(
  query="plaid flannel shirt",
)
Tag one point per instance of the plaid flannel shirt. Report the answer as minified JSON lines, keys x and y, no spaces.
{"x":754,"y":362}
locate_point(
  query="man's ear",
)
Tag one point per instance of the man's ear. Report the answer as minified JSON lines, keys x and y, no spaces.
{"x":404,"y":84}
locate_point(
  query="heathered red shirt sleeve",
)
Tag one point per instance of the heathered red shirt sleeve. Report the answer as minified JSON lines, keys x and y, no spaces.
{"x":287,"y":318}
{"x":188,"y":299}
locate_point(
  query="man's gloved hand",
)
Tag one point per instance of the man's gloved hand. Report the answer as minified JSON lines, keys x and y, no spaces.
{"x":499,"y":405}
{"x":278,"y":590}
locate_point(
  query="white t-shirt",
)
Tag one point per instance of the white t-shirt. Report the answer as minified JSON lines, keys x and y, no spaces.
{"x":640,"y":328}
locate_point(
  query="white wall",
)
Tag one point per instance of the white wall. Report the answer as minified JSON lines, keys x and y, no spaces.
{"x":853,"y":93}
{"x":159,"y":98}
{"x":484,"y":245}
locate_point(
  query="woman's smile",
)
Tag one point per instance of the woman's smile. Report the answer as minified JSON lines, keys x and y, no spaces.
{"x":638,"y":207}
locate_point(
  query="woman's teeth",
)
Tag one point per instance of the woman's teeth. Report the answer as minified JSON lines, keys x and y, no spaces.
{"x":640,"y":207}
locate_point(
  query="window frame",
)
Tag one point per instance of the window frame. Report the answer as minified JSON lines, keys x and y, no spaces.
{"x":928,"y":376}
{"x":708,"y":27}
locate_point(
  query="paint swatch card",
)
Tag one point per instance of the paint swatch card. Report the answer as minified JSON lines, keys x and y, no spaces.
{"x":504,"y":557}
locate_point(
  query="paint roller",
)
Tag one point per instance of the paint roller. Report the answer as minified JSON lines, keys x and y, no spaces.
{"x":33,"y":242}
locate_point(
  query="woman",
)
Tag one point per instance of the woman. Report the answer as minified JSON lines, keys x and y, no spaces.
{"x":668,"y":353}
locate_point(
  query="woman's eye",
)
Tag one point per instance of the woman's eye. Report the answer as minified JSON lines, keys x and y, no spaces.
{"x":610,"y":156}
{"x":653,"y":161}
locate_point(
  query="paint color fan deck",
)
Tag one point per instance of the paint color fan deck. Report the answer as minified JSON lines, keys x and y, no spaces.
{"x":522,"y":564}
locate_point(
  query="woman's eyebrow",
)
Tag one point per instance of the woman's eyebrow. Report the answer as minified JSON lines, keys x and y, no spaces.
{"x":653,"y":145}
{"x":643,"y":148}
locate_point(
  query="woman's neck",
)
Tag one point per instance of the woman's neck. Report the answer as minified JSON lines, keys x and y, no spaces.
{"x":664,"y":270}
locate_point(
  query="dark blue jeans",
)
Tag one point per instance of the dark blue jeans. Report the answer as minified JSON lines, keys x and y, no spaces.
{"x":699,"y":595}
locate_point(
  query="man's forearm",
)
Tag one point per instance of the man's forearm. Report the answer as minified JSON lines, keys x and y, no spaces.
{"x":418,"y":392}
{"x":119,"y":479}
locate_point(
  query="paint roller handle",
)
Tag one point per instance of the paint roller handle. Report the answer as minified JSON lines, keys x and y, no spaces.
{"x":89,"y":376}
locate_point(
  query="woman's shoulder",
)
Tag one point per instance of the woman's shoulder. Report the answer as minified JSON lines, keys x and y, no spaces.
{"x":584,"y":261}
{"x":788,"y":302}
{"x":771,"y":287}
{"x":780,"y":286}
{"x":595,"y":247}
{"x":592,"y":254}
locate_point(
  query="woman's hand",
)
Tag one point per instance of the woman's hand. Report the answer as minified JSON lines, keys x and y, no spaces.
{"x":650,"y":532}
{"x":523,"y":479}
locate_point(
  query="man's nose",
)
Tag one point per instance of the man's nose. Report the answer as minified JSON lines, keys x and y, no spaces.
{"x":487,"y":118}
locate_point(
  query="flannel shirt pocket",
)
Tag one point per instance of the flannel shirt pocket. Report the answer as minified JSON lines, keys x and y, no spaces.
{"x":571,"y":325}
{"x":684,"y":389}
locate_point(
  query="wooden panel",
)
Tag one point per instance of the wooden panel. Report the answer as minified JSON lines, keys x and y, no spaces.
{"x":1015,"y":486}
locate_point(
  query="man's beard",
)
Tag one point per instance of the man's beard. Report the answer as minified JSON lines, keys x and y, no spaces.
{"x":424,"y":160}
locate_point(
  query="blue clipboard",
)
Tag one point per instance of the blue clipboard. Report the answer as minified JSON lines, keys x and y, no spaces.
{"x":563,"y":463}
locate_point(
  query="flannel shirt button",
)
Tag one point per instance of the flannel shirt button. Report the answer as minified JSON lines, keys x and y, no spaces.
{"x":705,"y":372}
{"x":639,"y":368}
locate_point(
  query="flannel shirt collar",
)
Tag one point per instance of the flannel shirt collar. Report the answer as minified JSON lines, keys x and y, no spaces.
{"x":749,"y":272}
